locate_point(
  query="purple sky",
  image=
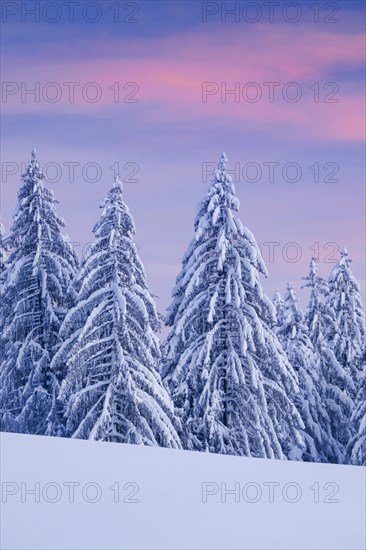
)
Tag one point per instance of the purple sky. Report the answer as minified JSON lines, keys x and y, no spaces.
{"x":170,"y":132}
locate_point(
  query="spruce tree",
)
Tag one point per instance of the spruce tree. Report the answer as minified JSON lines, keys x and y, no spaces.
{"x":293,"y":335}
{"x":347,"y":338}
{"x":279,"y":305}
{"x":2,"y":269}
{"x":338,"y":384}
{"x":356,"y":448}
{"x":113,"y":391}
{"x":34,"y":302}
{"x":229,"y":377}
{"x":348,"y":343}
{"x":2,"y":248}
{"x":317,"y":314}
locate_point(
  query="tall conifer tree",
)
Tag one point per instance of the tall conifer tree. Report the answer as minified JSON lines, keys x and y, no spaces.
{"x":226,"y":370}
{"x":38,"y":273}
{"x":113,"y":391}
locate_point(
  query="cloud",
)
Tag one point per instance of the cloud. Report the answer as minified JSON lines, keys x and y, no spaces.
{"x":170,"y":72}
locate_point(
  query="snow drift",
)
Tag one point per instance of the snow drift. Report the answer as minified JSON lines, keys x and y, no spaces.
{"x":62,"y":494}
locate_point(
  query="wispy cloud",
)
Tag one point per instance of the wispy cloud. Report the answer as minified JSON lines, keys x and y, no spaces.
{"x":170,"y":73}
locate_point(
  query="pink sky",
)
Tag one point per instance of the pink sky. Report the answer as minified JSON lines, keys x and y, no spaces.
{"x":171,"y":132}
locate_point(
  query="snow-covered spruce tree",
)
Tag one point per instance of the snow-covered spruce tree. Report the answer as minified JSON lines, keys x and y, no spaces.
{"x":338,"y":386}
{"x":317,"y":314}
{"x":2,"y":268}
{"x":348,"y":340}
{"x":113,"y":391}
{"x":34,"y":302}
{"x":2,"y":248}
{"x":292,"y":332}
{"x":279,"y":305}
{"x":229,"y":377}
{"x":356,"y":448}
{"x":348,"y":344}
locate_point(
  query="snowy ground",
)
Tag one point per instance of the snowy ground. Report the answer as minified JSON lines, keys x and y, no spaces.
{"x":163,"y":498}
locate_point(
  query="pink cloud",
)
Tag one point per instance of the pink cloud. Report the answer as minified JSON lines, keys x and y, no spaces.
{"x":170,"y":73}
